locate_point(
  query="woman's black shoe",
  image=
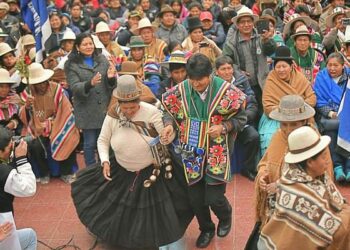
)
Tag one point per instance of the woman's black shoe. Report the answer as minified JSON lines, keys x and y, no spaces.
{"x":204,"y":239}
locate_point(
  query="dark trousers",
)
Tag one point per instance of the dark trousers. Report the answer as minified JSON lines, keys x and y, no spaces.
{"x":249,"y":142}
{"x":204,"y":197}
{"x":258,"y":96}
{"x":37,"y":153}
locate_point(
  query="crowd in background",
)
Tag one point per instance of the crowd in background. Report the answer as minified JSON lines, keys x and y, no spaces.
{"x":267,"y":49}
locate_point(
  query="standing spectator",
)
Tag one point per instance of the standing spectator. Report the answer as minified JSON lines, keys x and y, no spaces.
{"x":213,"y":7}
{"x":249,"y":50}
{"x":79,"y":18}
{"x":9,"y":24}
{"x":212,"y":30}
{"x":169,"y":29}
{"x":137,"y":53}
{"x":67,"y":21}
{"x":91,"y":79}
{"x":194,"y":10}
{"x":103,"y":33}
{"x":207,"y":173}
{"x":124,"y":33}
{"x":116,"y":10}
{"x":196,"y":42}
{"x":148,"y":9}
{"x":248,"y":139}
{"x":309,"y":60}
{"x":14,"y":9}
{"x":336,"y":37}
{"x":327,"y":11}
{"x":58,"y":28}
{"x":180,"y":9}
{"x":48,"y":116}
{"x":295,"y":21}
{"x":155,"y":47}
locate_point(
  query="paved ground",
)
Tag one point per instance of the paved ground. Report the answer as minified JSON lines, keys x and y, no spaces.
{"x":52,"y":214}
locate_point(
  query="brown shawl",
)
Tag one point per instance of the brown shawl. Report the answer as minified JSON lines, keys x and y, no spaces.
{"x":275,"y":89}
{"x":310,"y":214}
{"x":272,"y":162}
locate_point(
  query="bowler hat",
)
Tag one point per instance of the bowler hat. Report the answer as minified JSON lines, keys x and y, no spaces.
{"x":194,"y":23}
{"x":282,"y":54}
{"x":126,"y":89}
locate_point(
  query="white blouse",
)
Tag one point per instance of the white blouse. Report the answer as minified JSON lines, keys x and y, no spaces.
{"x":131,"y":149}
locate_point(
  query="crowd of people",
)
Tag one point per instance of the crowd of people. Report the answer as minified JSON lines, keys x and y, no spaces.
{"x":166,"y":100}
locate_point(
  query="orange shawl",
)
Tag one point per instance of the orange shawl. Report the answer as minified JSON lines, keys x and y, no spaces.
{"x":275,"y":89}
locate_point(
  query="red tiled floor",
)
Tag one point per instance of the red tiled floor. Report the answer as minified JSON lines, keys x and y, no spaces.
{"x":52,"y":214}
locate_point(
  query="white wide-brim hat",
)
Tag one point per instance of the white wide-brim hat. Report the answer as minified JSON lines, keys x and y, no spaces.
{"x":102,"y":27}
{"x":5,"y":77}
{"x":37,"y":74}
{"x":5,"y":48}
{"x":243,"y":12}
{"x":144,"y":23}
{"x":304,"y":143}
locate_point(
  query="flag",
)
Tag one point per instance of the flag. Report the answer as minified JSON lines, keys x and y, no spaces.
{"x":34,"y":14}
{"x":344,"y":123}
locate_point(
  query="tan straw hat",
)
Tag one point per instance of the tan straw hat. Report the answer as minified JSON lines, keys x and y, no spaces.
{"x":128,"y":68}
{"x":28,"y":40}
{"x":37,"y":74}
{"x":5,"y":77}
{"x":102,"y":27}
{"x":294,"y":18}
{"x":301,"y":31}
{"x":176,"y":57}
{"x":5,"y":48}
{"x":126,"y":89}
{"x":304,"y":143}
{"x":292,"y":108}
{"x":144,"y":23}
{"x":4,"y":6}
{"x":243,"y":12}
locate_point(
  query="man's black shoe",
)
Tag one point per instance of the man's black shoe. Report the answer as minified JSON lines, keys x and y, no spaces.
{"x":224,"y":227}
{"x":204,"y":239}
{"x":251,"y":176}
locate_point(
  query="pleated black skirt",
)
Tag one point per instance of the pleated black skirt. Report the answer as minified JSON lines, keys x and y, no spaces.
{"x":125,"y":214}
